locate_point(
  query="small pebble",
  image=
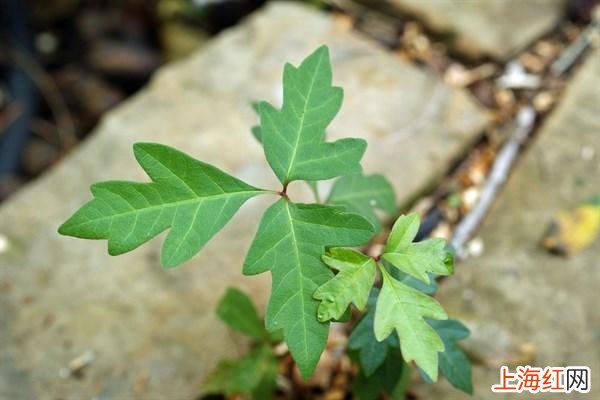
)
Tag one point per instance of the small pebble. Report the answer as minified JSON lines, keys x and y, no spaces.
{"x":281,"y":349}
{"x":77,"y":365}
{"x":475,"y":247}
{"x":469,"y":197}
{"x":543,"y":101}
{"x":516,"y":77}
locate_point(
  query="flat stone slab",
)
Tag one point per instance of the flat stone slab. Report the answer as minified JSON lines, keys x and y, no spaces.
{"x":524,"y":305}
{"x":153,"y":332}
{"x":496,"y":28}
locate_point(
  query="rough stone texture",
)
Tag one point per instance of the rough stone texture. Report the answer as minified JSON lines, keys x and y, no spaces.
{"x":497,"y":28}
{"x":153,"y":331}
{"x":524,"y":305}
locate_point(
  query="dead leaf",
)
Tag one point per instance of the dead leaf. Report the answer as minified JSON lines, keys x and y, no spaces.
{"x":572,"y":231}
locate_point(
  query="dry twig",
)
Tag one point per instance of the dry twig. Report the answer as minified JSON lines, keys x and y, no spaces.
{"x":498,"y":175}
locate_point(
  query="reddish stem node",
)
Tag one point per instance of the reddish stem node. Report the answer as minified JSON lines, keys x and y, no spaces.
{"x":283,"y":192}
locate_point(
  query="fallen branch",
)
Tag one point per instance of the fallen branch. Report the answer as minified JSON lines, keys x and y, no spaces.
{"x":576,"y":49}
{"x":498,"y":175}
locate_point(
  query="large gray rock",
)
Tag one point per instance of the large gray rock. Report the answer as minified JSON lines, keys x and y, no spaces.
{"x":153,"y":331}
{"x":524,"y":305}
{"x":497,"y":28}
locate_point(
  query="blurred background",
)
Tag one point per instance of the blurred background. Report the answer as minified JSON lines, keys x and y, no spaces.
{"x":484,"y":115}
{"x":66,"y":62}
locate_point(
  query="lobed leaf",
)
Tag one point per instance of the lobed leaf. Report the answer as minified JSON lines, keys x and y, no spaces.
{"x":195,"y":200}
{"x":352,"y":283}
{"x":294,"y":137}
{"x":454,"y":364}
{"x":402,"y":308}
{"x":363,"y":194}
{"x":416,"y":259}
{"x":290,"y":241}
{"x":313,"y":185}
{"x":371,"y":352}
{"x":192,"y":198}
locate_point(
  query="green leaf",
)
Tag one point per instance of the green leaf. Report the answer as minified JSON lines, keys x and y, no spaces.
{"x":194,"y":199}
{"x":255,"y":374}
{"x":352,"y":283}
{"x":237,"y":310}
{"x":363,"y":194}
{"x":403,"y":308}
{"x":403,"y":232}
{"x":454,"y":364}
{"x":392,"y":373}
{"x":290,"y":241}
{"x":416,"y":259}
{"x":313,"y":185}
{"x":371,"y":352}
{"x":294,"y":137}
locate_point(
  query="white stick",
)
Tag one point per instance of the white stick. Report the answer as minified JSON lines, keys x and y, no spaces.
{"x":496,"y":179}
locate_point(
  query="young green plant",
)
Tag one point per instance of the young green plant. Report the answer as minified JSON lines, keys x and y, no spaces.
{"x":194,"y":200}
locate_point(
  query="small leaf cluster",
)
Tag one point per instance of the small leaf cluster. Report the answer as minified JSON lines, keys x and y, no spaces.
{"x":255,"y":374}
{"x":317,"y":274}
{"x":401,"y":308}
{"x":375,"y":357}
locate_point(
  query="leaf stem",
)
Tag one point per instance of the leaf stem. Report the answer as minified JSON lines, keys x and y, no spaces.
{"x":283,"y":192}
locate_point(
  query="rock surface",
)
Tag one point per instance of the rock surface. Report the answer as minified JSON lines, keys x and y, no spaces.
{"x":524,"y":305}
{"x":153,"y":332}
{"x":497,"y":28}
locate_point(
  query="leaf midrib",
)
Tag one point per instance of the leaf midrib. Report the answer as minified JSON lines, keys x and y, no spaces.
{"x":406,"y":315}
{"x":302,"y":118}
{"x":301,"y":279}
{"x":166,"y":205}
